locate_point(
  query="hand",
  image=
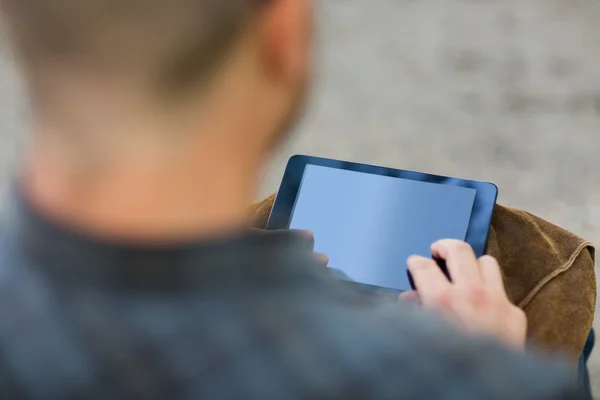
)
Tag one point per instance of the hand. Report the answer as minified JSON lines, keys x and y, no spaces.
{"x":322,"y":259}
{"x":475,"y":300}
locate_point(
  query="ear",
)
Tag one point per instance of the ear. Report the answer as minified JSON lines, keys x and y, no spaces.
{"x":286,"y":30}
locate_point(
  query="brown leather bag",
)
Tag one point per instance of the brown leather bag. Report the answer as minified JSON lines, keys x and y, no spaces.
{"x":548,"y":272}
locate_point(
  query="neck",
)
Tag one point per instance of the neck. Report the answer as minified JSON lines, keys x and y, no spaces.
{"x":149,"y":193}
{"x":110,"y":160}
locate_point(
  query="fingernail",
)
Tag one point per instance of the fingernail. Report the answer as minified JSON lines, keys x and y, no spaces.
{"x":416,"y":261}
{"x":322,"y":258}
{"x":308,"y":234}
{"x":411,"y":296}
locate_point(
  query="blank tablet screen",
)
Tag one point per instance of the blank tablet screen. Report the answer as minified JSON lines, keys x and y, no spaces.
{"x":370,"y":224}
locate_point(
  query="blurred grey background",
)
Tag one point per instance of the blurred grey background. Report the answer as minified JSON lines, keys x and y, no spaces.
{"x":506,"y":91}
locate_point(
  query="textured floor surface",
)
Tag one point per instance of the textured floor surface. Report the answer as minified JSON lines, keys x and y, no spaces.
{"x":505,"y":91}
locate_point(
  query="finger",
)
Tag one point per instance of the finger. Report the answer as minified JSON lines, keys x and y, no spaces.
{"x":305,"y":233}
{"x":492,"y":275}
{"x":322,"y":259}
{"x":460,"y":260}
{"x":428,"y":278}
{"x":308,"y":237}
{"x":410,"y":296}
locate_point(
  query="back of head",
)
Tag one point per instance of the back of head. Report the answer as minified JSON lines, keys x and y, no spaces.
{"x":168,"y":45}
{"x":163,"y":49}
{"x":123,"y":86}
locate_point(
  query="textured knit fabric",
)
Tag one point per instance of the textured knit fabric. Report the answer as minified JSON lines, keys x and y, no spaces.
{"x":246,"y":317}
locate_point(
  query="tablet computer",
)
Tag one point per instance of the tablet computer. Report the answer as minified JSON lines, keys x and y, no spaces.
{"x":370,"y":219}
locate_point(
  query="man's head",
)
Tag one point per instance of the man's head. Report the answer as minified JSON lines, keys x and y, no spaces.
{"x":176,"y":53}
{"x":155,"y":116}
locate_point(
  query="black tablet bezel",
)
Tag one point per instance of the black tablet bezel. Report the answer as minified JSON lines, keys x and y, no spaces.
{"x":481,"y":216}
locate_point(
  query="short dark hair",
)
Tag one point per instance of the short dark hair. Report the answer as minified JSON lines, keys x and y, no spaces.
{"x":174,"y":42}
